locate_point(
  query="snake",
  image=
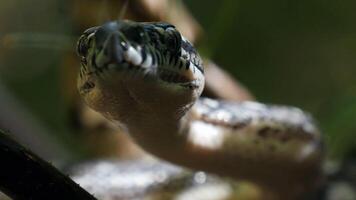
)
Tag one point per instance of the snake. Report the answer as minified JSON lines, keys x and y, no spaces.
{"x":147,"y":78}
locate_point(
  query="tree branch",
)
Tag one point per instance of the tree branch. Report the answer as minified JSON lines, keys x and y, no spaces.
{"x":23,"y":175}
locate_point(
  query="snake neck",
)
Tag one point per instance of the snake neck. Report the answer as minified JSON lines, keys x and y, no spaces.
{"x":161,"y":133}
{"x":240,"y":148}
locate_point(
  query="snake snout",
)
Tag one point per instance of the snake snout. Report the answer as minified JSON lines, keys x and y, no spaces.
{"x":113,"y":49}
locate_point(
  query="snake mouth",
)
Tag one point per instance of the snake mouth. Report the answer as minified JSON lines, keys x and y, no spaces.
{"x":140,"y":61}
{"x":184,"y":80}
{"x":161,"y":75}
{"x":173,"y":77}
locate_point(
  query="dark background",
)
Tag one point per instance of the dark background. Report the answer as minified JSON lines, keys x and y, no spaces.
{"x":299,"y":53}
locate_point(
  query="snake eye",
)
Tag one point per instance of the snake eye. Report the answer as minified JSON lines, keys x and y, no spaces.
{"x":135,"y":33}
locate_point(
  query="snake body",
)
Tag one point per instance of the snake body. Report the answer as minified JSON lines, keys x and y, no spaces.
{"x":148,"y":78}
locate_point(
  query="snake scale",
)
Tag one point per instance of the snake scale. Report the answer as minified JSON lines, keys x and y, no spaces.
{"x":147,"y":78}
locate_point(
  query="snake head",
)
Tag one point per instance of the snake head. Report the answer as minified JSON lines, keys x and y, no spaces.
{"x":147,"y":64}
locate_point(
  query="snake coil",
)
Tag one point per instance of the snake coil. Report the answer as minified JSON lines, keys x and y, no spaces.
{"x":148,"y":78}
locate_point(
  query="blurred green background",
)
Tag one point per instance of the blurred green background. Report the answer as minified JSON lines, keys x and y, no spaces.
{"x":299,"y":53}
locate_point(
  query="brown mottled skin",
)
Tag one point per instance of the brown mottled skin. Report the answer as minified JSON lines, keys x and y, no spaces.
{"x":276,"y":147}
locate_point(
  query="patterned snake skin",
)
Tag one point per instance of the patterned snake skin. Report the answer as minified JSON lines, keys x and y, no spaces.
{"x":148,"y":78}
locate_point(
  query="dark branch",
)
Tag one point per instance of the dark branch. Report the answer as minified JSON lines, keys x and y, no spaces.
{"x":23,"y":175}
